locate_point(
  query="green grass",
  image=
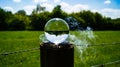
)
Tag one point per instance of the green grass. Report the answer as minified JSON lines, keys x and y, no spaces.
{"x":11,"y":41}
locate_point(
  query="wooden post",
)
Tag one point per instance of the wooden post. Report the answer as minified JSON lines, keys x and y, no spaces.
{"x":61,"y":55}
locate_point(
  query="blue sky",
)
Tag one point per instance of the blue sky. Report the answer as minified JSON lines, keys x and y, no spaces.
{"x":110,"y":8}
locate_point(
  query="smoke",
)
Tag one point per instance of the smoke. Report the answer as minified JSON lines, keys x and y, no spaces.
{"x":43,"y":38}
{"x":81,"y":40}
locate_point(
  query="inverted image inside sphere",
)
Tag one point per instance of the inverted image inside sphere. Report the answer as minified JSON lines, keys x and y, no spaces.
{"x":56,"y":30}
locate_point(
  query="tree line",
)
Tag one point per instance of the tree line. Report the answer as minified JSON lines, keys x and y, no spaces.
{"x":39,"y":16}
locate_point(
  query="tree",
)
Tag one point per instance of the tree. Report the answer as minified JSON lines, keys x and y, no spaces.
{"x":38,"y":9}
{"x":20,"y":22}
{"x":21,"y":12}
{"x":39,"y":20}
{"x":99,"y":24}
{"x":17,"y":25}
{"x":3,"y":17}
{"x":88,"y":16}
{"x":57,"y":12}
{"x":82,"y":24}
{"x":80,"y":21}
{"x":116,"y":23}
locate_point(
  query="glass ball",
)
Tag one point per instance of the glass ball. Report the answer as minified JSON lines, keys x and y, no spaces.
{"x":56,"y":30}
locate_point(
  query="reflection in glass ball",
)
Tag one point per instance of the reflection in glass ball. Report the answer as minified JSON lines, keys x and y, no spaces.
{"x":56,"y":30}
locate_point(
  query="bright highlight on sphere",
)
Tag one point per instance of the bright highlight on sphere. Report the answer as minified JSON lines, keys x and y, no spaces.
{"x":56,"y":30}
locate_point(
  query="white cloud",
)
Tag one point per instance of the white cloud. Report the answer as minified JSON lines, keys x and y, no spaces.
{"x":36,"y":1}
{"x":17,"y":1}
{"x":49,"y":7}
{"x":107,"y":2}
{"x":109,"y":12}
{"x":8,"y":8}
{"x":113,"y":13}
{"x":43,"y":0}
{"x":39,"y":1}
{"x":56,"y":1}
{"x":73,"y":8}
{"x":29,"y":9}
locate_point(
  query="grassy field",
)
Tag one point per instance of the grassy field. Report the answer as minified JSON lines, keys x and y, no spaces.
{"x":11,"y":41}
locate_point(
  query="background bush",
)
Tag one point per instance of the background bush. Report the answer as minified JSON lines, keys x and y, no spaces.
{"x":39,"y":16}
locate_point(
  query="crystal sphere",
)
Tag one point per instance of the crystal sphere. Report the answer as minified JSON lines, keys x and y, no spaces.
{"x":56,"y":30}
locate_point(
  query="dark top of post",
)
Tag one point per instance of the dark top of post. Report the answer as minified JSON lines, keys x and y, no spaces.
{"x":61,"y":45}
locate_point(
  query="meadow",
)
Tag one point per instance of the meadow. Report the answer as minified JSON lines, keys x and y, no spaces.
{"x":105,"y":48}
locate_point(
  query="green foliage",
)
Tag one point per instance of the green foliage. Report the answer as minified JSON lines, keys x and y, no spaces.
{"x":39,"y":17}
{"x":17,"y":25}
{"x":20,"y":22}
{"x":79,"y":19}
{"x":58,"y":13}
{"x":116,"y":23}
{"x":39,"y":20}
{"x":3,"y":23}
{"x":88,"y":17}
{"x":21,"y":12}
{"x":98,"y":21}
